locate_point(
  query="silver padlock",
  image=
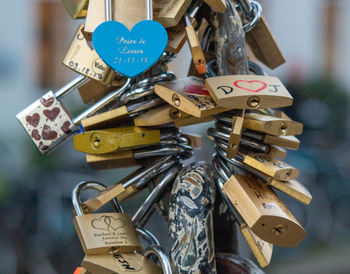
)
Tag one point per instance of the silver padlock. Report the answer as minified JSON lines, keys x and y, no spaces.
{"x":47,"y":121}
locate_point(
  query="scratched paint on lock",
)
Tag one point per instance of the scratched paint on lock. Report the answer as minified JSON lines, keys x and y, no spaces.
{"x":130,"y":52}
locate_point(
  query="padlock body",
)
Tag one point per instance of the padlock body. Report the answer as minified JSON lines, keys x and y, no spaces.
{"x":120,"y":263}
{"x":102,"y":233}
{"x":47,"y":122}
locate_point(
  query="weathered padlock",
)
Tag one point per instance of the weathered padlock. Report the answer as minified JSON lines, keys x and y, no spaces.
{"x":235,"y":134}
{"x":85,"y":60}
{"x":190,"y":96}
{"x":76,"y":8}
{"x":114,"y":139}
{"x":48,"y":122}
{"x":101,"y":233}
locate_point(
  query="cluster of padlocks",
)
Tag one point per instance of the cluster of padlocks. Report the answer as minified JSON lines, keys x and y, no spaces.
{"x":137,"y":108}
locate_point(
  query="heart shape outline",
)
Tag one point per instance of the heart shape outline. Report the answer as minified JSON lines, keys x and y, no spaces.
{"x":106,"y":223}
{"x":107,"y":35}
{"x":252,"y":81}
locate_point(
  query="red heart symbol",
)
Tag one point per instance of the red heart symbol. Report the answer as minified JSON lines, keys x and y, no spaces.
{"x":264,"y":85}
{"x":36,"y":135}
{"x":33,"y":120}
{"x":66,"y":127}
{"x":197,"y":90}
{"x":48,"y":134}
{"x":47,"y":102}
{"x":52,"y":114}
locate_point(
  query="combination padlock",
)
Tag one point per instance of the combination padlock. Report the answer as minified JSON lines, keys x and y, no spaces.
{"x":101,"y":233}
{"x":47,"y":121}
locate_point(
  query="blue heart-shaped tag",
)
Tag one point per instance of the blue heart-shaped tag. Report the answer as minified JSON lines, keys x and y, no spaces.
{"x":130,"y":52}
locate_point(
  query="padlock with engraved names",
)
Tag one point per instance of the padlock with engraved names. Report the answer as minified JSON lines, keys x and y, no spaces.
{"x":190,"y":96}
{"x":263,"y":211}
{"x":48,"y":122}
{"x":102,"y":233}
{"x":114,"y":139}
{"x":76,"y":8}
{"x":84,"y":60}
{"x":262,"y":250}
{"x":136,"y":180}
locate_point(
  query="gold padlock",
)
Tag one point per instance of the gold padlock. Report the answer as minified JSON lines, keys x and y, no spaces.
{"x":76,"y":8}
{"x":217,"y":5}
{"x":263,"y":211}
{"x":248,"y":91}
{"x":270,"y":166}
{"x":169,"y":12}
{"x":120,"y":263}
{"x":101,"y":233}
{"x":190,"y":120}
{"x":272,"y":125}
{"x":114,"y":139}
{"x":277,"y":152}
{"x":85,"y":60}
{"x":235,"y":134}
{"x":190,"y":96}
{"x":290,"y":142}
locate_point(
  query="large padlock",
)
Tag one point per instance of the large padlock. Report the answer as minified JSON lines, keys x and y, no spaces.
{"x":48,"y":122}
{"x":101,"y":233}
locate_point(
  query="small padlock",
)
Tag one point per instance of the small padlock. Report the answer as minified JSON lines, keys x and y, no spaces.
{"x":114,"y":139}
{"x":84,"y":60}
{"x":76,"y":8}
{"x":217,"y":5}
{"x":48,"y":122}
{"x":235,"y":134}
{"x":190,"y":96}
{"x":101,"y":233}
{"x":170,"y":12}
{"x":263,"y":211}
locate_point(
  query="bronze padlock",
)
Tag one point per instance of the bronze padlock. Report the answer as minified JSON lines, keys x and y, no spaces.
{"x":101,"y":233}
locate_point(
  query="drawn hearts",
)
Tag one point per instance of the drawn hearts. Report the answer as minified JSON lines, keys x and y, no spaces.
{"x":130,"y":52}
{"x":33,"y":120}
{"x":42,"y":147}
{"x":48,"y":134}
{"x":52,"y":114}
{"x":36,"y":135}
{"x":197,"y":90}
{"x":253,"y":86}
{"x":108,"y":223}
{"x":66,"y":127}
{"x":47,"y":102}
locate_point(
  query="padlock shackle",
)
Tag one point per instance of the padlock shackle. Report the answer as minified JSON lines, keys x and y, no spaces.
{"x":79,"y":188}
{"x":256,"y":69}
{"x":162,"y":257}
{"x":163,"y":182}
{"x":72,"y":85}
{"x":146,"y":235}
{"x":256,"y":14}
{"x":102,"y":103}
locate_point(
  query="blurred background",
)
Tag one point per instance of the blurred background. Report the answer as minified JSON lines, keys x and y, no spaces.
{"x":37,"y":232}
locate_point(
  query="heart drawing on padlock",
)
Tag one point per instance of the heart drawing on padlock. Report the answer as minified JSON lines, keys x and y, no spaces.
{"x":196,"y":90}
{"x":253,"y":85}
{"x":108,"y":223}
{"x":130,"y":52}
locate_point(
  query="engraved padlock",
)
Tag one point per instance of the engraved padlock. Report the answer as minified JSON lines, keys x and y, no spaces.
{"x":49,"y":123}
{"x":101,"y":233}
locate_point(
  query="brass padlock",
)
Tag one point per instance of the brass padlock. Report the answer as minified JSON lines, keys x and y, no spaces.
{"x":277,"y":152}
{"x":120,"y":263}
{"x":261,"y":249}
{"x":190,"y":120}
{"x":217,"y":5}
{"x":259,"y":36}
{"x":235,"y":134}
{"x":169,"y":12}
{"x":177,"y":36}
{"x":49,"y":123}
{"x":263,"y":211}
{"x":140,"y":177}
{"x":272,"y":125}
{"x":290,"y":142}
{"x":76,"y":8}
{"x":270,"y":166}
{"x":248,"y":91}
{"x":190,"y":96}
{"x":114,"y":139}
{"x":85,"y":60}
{"x":101,"y":233}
